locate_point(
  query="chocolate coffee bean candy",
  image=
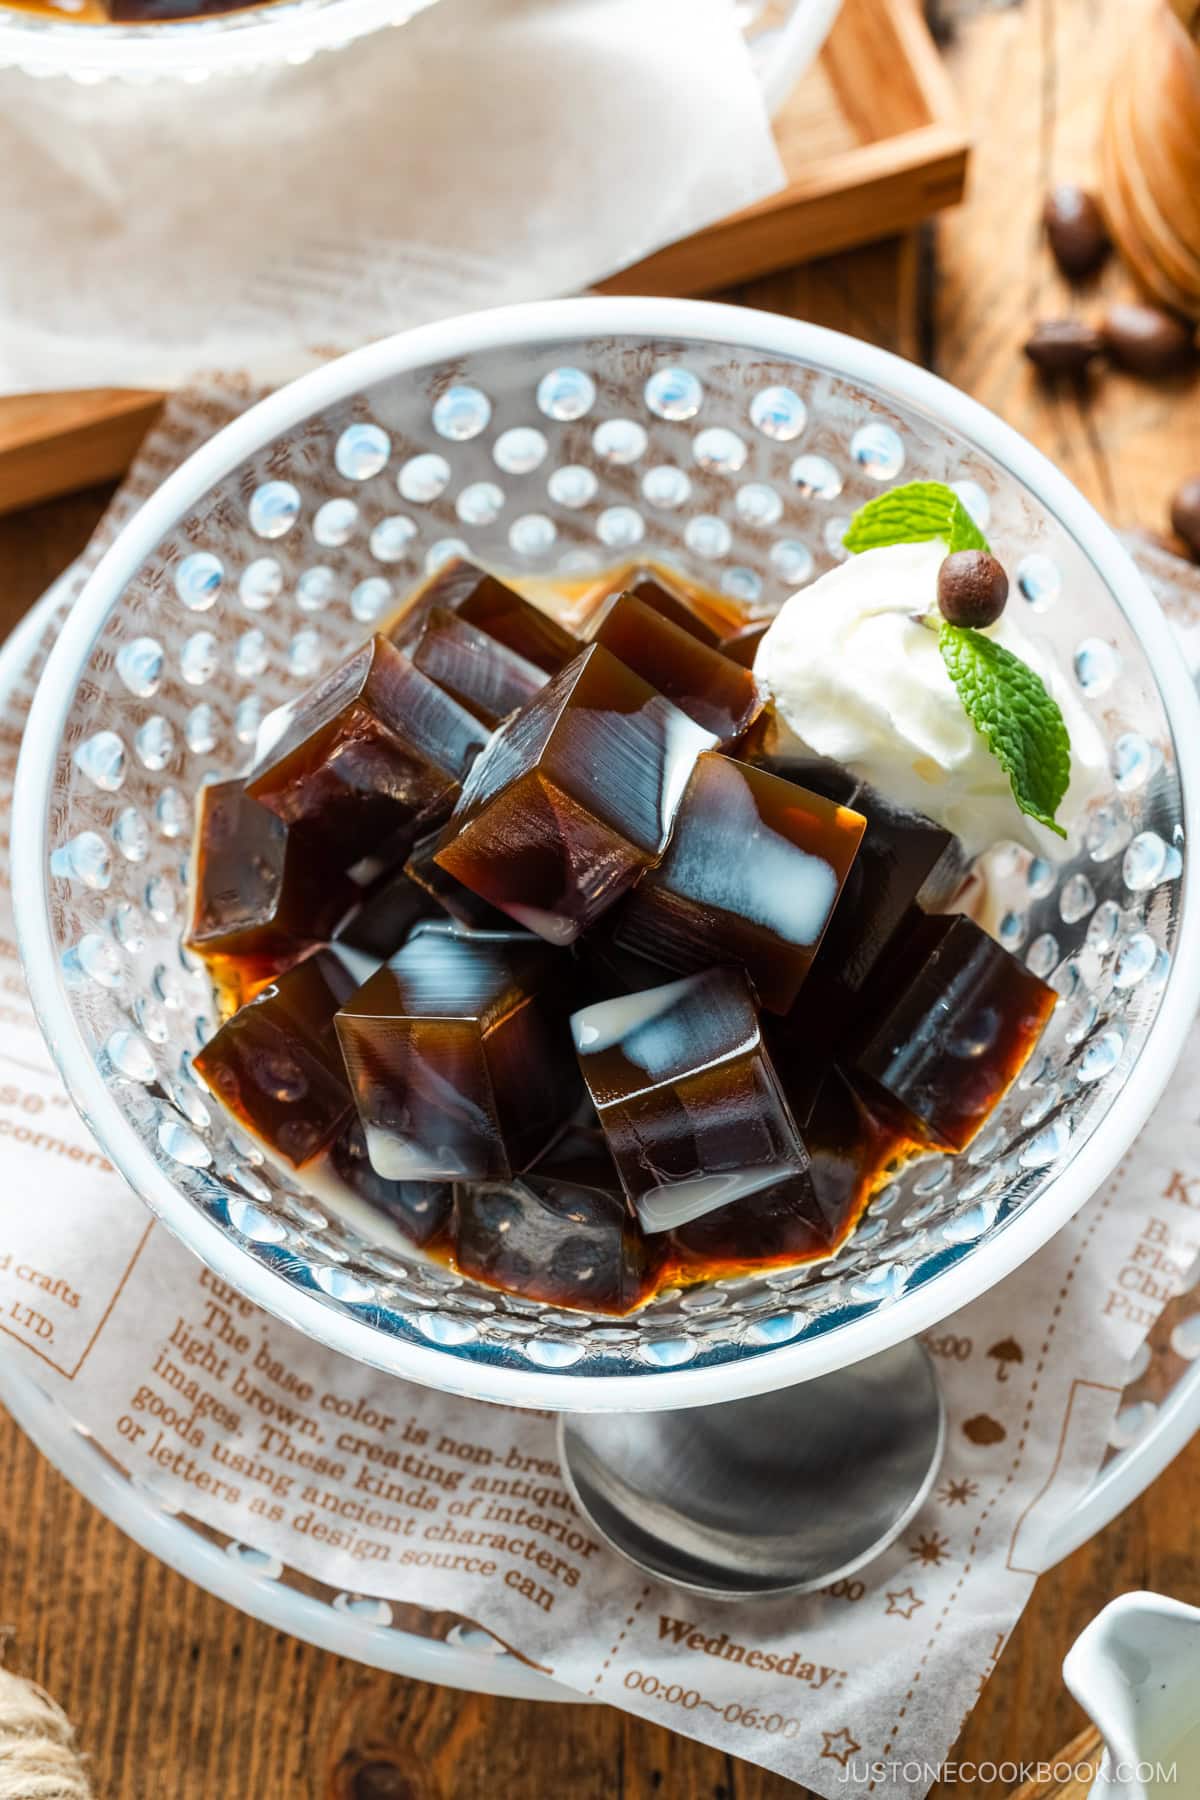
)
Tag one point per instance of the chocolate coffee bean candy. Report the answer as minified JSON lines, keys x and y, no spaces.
{"x":258,"y":904}
{"x":419,"y":1210}
{"x":491,"y":606}
{"x":1147,"y":340}
{"x":364,"y":759}
{"x":1185,"y":513}
{"x":687,"y":1096}
{"x":482,"y":674}
{"x":386,"y":914}
{"x":276,"y":1067}
{"x":555,"y":1238}
{"x":574,"y":797}
{"x":1063,"y":346}
{"x":459,"y":1057}
{"x":751,"y":876}
{"x":972,"y":588}
{"x":1075,"y":229}
{"x":953,"y":1025}
{"x":722,"y":697}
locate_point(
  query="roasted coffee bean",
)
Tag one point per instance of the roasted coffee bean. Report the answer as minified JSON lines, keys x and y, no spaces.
{"x":1063,"y":346}
{"x":1147,"y":340}
{"x":1185,"y":513}
{"x":972,"y":588}
{"x":1075,"y":229}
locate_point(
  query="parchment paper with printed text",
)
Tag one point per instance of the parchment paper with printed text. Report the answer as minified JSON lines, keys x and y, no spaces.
{"x":390,"y":1490}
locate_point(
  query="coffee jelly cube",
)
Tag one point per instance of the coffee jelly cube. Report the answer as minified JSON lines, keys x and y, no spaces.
{"x":904,"y":860}
{"x":482,"y":674}
{"x":687,"y":1096}
{"x":257,"y":903}
{"x":781,"y":1224}
{"x":364,"y":758}
{"x":444,"y":892}
{"x":573,"y":798}
{"x":276,"y":1067}
{"x":742,"y":646}
{"x":719,"y":695}
{"x":557,"y":1240}
{"x":459,"y":1057}
{"x":490,"y":606}
{"x":751,"y":876}
{"x":385,"y":915}
{"x":949,"y":1027}
{"x":419,"y":1210}
{"x":710,"y":618}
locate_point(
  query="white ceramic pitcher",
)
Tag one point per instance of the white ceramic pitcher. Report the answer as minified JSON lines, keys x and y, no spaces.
{"x":1136,"y":1671}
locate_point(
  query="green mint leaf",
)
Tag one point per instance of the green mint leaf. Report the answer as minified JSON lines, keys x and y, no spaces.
{"x":912,"y":515}
{"x":1010,"y":708}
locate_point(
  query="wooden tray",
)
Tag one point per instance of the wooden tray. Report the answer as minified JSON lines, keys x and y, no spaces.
{"x":872,"y":144}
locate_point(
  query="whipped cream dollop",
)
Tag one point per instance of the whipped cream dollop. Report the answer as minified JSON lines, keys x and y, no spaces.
{"x":857,"y":677}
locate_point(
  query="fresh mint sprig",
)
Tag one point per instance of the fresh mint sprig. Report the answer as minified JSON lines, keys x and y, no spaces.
{"x":913,"y":515}
{"x":1006,"y":701}
{"x":1021,"y":723}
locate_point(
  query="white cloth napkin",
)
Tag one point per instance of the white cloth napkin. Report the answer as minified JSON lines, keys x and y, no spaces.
{"x":489,"y":151}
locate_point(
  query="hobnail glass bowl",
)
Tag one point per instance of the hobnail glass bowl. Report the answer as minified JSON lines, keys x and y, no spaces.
{"x":783,"y":36}
{"x":553,"y":440}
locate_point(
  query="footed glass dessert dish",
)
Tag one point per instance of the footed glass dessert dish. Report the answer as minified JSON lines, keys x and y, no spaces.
{"x":551,"y":444}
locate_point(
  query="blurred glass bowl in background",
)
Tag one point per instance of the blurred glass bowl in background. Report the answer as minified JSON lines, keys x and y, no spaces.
{"x":46,"y":37}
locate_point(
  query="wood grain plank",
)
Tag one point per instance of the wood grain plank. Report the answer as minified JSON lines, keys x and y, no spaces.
{"x":55,"y":443}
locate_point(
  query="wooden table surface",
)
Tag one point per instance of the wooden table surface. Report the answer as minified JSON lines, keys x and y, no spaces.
{"x":175,"y":1696}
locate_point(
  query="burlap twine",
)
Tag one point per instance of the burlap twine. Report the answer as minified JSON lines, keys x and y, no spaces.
{"x":38,"y":1759}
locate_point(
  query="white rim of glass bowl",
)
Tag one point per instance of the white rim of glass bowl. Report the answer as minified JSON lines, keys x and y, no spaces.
{"x":557,"y":323}
{"x":192,"y":50}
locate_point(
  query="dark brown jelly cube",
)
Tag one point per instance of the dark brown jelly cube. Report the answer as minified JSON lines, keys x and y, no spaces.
{"x":448,"y":894}
{"x":556,"y":1240}
{"x":573,"y":798}
{"x":493,"y":607}
{"x":719,"y":695}
{"x":778,"y":1225}
{"x":420,"y":1210}
{"x":459,"y":1057}
{"x":904,"y":860}
{"x":364,"y":758}
{"x":949,"y":1028}
{"x":386,"y":914}
{"x":687,"y":1096}
{"x":482,"y":674}
{"x":742,"y":646}
{"x":257,"y":904}
{"x":710,"y":618}
{"x":853,"y":1152}
{"x":751,"y":876}
{"x":276,"y":1067}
